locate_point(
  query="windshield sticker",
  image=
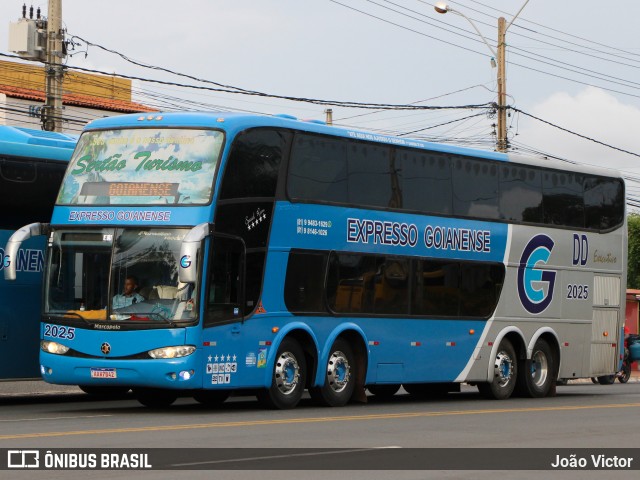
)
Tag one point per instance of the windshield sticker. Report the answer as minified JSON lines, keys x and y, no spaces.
{"x":142,"y":167}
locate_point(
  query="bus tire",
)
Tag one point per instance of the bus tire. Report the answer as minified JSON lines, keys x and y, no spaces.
{"x":383,"y":391}
{"x":505,"y":372}
{"x":606,"y":379}
{"x":625,"y":373}
{"x":106,"y":392}
{"x":536,"y":375}
{"x":288,"y":379}
{"x":211,"y":397}
{"x":155,"y":397}
{"x":340,"y":376}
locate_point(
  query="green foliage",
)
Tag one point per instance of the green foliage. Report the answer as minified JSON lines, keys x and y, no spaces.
{"x":633,"y":263}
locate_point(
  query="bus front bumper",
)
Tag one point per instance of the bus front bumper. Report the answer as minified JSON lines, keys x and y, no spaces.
{"x":180,"y":373}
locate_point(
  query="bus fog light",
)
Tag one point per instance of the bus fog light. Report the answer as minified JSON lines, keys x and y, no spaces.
{"x":172,"y":352}
{"x":53,"y":347}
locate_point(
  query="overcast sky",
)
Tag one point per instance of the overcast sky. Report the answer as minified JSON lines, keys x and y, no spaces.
{"x":574,"y":63}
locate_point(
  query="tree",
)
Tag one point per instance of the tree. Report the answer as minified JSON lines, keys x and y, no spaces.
{"x":633,"y":260}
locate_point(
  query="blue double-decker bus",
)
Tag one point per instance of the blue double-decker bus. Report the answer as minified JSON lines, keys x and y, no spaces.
{"x":32,"y":165}
{"x":205,"y":254}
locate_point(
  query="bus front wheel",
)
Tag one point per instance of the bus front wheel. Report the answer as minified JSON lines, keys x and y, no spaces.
{"x":288,"y":379}
{"x":340,"y":376}
{"x":504,"y":373}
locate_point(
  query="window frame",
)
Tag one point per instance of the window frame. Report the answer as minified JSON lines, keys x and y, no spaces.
{"x":396,"y":150}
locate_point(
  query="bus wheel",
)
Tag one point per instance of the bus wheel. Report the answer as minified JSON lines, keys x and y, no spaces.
{"x":211,"y":397}
{"x":383,"y":391}
{"x":155,"y":397}
{"x":288,"y":380}
{"x":505,"y":372}
{"x":625,"y":373}
{"x":606,"y":379}
{"x":107,"y":392}
{"x":536,"y":375}
{"x":340,"y":377}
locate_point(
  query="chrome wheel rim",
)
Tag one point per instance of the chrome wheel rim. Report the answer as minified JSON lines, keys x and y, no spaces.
{"x":338,"y":372}
{"x":539,"y":368}
{"x":503,"y":368}
{"x":287,"y":373}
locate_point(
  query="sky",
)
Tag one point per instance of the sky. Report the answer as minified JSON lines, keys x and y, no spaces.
{"x":572,"y":63}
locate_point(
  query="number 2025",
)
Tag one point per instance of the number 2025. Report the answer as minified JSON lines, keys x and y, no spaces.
{"x":578,"y":292}
{"x":56,"y":331}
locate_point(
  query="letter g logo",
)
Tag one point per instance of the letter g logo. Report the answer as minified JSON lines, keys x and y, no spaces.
{"x":185,"y":261}
{"x":535,"y":285}
{"x":4,"y":261}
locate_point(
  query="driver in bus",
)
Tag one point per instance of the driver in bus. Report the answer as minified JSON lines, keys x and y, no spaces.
{"x":129,"y":296}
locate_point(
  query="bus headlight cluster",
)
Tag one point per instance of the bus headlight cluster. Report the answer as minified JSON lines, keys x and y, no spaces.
{"x":172,"y":352}
{"x":53,"y":347}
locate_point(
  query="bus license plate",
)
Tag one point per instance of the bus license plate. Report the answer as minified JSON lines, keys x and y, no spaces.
{"x":103,"y":373}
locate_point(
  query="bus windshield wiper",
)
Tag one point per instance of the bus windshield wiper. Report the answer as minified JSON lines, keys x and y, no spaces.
{"x":142,"y":316}
{"x":69,"y":313}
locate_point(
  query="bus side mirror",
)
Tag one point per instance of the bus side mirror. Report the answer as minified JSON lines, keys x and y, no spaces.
{"x":13,"y":245}
{"x":188,"y":268}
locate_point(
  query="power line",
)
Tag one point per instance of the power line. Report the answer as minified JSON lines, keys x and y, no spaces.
{"x":441,"y":124}
{"x":234,"y":89}
{"x":572,"y":132}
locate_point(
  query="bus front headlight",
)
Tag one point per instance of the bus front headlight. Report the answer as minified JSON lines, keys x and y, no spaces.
{"x":172,"y":352}
{"x":53,"y":347}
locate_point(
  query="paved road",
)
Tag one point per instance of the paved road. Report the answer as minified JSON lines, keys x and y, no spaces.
{"x":581,"y":415}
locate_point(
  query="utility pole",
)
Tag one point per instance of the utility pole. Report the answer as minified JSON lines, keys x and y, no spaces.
{"x":502,"y":143}
{"x":52,"y":111}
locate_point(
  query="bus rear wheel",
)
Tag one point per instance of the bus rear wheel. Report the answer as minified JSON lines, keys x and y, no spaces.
{"x":288,"y":379}
{"x":504,"y":373}
{"x":340,"y":376}
{"x":536,"y":375}
{"x":155,"y":397}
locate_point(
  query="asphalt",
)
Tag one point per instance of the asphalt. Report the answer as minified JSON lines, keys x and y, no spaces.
{"x":39,"y":388}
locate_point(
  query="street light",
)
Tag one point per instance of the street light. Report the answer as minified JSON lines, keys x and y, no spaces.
{"x":442,"y":7}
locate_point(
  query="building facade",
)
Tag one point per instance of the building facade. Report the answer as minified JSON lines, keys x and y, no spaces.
{"x":85,"y":97}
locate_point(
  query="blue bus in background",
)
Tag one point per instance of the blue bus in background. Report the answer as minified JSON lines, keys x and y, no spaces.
{"x":204,"y":254}
{"x":32,"y":165}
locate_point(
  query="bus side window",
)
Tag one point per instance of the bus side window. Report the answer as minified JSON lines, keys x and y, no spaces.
{"x":304,"y":284}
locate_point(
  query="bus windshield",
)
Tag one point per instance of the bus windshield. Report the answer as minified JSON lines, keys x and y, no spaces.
{"x":140,"y":264}
{"x":142,"y":167}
